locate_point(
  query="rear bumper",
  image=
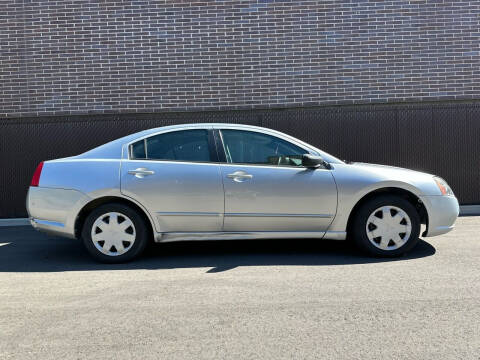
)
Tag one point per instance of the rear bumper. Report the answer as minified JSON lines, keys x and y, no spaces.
{"x":54,"y":210}
{"x":442,"y":214}
{"x":51,"y":227}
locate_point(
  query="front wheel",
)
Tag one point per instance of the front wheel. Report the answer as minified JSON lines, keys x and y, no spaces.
{"x":386,"y":226}
{"x":114,"y":233}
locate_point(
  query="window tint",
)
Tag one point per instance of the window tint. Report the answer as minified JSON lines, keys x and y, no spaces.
{"x":185,"y":145}
{"x":138,"y":150}
{"x":255,"y":148}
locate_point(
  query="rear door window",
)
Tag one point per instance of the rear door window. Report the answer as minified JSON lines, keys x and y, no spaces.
{"x":184,"y":145}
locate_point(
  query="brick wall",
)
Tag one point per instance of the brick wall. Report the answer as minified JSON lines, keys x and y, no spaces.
{"x":77,"y":57}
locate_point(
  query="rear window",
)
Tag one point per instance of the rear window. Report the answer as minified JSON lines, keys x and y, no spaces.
{"x":185,"y":145}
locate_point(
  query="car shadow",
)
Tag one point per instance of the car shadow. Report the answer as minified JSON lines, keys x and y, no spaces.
{"x":23,"y":249}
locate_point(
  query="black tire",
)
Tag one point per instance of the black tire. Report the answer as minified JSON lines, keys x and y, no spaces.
{"x":141,"y":239}
{"x":359,"y":224}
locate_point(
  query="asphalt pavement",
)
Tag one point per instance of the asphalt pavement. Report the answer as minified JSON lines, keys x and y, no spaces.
{"x":273,"y":299}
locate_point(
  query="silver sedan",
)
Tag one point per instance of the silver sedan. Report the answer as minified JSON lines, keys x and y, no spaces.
{"x":221,"y":182}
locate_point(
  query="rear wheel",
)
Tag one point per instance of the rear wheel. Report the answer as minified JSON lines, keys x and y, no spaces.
{"x":114,"y":233}
{"x":386,"y":226}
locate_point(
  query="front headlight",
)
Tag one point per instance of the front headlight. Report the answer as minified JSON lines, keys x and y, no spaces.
{"x":443,"y":186}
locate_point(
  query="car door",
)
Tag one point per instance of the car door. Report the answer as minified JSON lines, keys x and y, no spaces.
{"x":268,"y":189}
{"x":176,"y":176}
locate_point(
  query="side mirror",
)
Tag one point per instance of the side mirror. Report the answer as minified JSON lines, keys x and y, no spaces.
{"x":313,"y":161}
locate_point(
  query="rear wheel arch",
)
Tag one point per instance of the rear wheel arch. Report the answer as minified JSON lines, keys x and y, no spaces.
{"x":405,"y":194}
{"x":92,"y":205}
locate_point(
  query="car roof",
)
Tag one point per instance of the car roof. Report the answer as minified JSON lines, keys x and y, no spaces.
{"x":113,"y":149}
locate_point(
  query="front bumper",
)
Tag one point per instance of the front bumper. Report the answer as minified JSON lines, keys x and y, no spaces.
{"x":442,"y":214}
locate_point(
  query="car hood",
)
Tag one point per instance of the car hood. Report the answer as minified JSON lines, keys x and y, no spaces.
{"x":390,"y":169}
{"x":362,"y":176}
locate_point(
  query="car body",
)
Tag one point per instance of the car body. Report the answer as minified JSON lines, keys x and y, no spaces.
{"x":208,"y":194}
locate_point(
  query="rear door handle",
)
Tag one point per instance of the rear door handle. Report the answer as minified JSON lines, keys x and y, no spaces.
{"x":141,"y":172}
{"x":239,"y":176}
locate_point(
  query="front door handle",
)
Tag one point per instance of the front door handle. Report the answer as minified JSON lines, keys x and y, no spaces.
{"x":239,"y":176}
{"x":141,"y":172}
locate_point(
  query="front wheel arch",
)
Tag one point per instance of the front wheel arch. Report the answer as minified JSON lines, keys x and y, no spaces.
{"x":407,"y":195}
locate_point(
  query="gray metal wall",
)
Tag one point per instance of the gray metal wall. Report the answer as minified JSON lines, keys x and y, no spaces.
{"x":439,"y":138}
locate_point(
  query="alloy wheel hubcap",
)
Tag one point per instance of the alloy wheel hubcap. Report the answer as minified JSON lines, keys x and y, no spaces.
{"x":388,"y":227}
{"x":113,"y":234}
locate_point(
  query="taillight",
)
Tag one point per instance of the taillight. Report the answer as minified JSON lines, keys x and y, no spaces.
{"x":36,"y":175}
